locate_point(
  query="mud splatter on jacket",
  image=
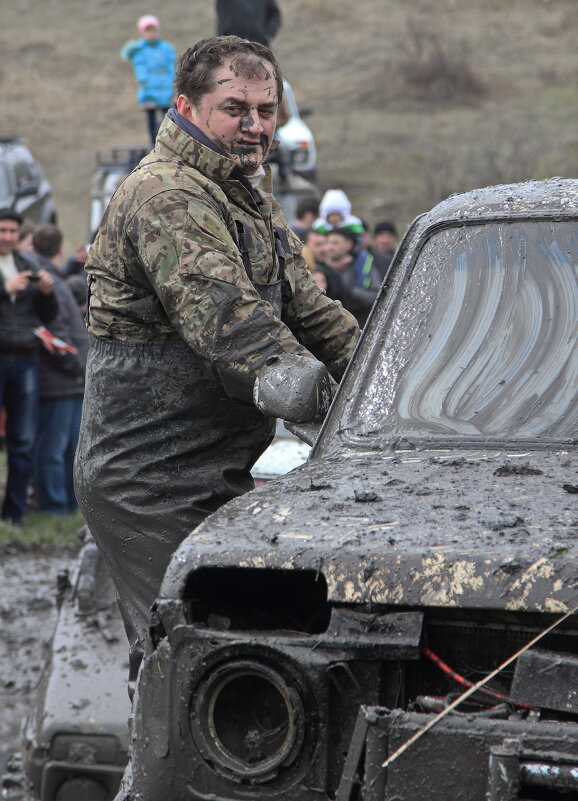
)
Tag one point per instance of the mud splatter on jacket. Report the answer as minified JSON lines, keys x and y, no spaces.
{"x":167,"y":264}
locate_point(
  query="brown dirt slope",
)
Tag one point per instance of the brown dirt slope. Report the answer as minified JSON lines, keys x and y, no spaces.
{"x":412,"y":100}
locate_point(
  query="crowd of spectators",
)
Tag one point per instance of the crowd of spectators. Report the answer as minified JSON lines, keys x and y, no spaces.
{"x":348,"y":258}
{"x":43,"y":349}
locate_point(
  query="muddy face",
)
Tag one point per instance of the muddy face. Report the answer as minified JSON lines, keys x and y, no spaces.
{"x":240,"y":115}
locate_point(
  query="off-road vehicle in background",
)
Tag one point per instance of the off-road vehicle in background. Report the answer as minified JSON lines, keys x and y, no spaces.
{"x":75,"y":740}
{"x":308,"y":630}
{"x":23,"y":186}
{"x":297,"y":137}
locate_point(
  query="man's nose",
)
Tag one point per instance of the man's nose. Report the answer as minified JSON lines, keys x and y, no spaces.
{"x":254,"y":122}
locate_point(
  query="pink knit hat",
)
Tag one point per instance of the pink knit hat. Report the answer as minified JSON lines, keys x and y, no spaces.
{"x":148,"y":21}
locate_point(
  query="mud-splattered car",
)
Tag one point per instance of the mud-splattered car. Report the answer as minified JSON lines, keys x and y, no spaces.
{"x":75,"y":739}
{"x":309,"y":629}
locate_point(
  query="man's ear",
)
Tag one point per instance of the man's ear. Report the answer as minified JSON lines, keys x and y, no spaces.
{"x":184,"y":106}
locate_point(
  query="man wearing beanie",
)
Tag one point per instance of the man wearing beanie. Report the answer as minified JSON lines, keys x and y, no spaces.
{"x":385,"y":237}
{"x":384,"y":245}
{"x":360,"y":281}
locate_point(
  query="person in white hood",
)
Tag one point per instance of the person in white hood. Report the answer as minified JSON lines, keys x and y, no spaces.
{"x":335,"y":212}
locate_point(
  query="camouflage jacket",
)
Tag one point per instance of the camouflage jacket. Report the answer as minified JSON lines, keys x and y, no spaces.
{"x":167,"y":263}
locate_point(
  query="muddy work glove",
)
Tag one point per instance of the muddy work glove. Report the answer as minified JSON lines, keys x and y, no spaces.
{"x":294,"y":388}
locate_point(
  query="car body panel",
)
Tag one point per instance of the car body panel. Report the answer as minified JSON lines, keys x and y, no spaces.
{"x":78,"y":727}
{"x":23,"y":185}
{"x":296,"y":135}
{"x":486,"y":530}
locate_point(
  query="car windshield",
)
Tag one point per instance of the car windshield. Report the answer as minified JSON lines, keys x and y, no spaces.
{"x":477,"y":343}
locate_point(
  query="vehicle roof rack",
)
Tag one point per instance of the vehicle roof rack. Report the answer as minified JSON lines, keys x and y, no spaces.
{"x":127,"y":156}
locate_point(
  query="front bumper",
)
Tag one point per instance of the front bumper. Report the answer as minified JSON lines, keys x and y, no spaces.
{"x":463,"y":758}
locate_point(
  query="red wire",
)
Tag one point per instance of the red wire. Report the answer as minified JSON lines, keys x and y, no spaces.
{"x":460,"y":679}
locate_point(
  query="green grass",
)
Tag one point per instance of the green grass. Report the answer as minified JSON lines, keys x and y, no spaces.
{"x":39,"y":529}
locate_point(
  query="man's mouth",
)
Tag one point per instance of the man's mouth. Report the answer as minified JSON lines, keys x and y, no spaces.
{"x":248,"y":146}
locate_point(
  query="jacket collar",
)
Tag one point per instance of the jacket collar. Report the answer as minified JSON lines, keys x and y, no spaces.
{"x":186,"y":125}
{"x":192,"y":146}
{"x":23,"y":262}
{"x":179,"y":137}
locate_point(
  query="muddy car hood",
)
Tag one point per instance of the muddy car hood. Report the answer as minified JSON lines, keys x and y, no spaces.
{"x":482,"y":530}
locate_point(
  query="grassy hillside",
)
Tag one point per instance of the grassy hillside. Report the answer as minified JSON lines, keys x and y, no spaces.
{"x":413,"y":99}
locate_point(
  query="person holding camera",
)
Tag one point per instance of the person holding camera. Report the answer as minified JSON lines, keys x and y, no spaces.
{"x":27,"y":302}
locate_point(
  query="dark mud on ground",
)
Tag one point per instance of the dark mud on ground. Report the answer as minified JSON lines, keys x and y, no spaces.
{"x":27,"y":618}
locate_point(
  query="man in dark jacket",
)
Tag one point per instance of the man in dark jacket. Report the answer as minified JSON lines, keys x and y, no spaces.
{"x":359,"y":278}
{"x":256,"y":20}
{"x":62,"y":371}
{"x":27,"y":301}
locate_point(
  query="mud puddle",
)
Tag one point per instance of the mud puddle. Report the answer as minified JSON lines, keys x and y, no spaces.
{"x":27,"y":619}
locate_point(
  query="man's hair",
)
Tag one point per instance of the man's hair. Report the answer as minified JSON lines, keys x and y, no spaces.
{"x":10,"y":214}
{"x":196,"y":67}
{"x":47,"y":241}
{"x":347,"y":233}
{"x":385,"y":226}
{"x":78,"y":287}
{"x":309,"y":204}
{"x":311,"y":231}
{"x":28,"y":227}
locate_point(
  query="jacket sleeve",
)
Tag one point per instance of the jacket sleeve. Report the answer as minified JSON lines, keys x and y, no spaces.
{"x":68,"y":326}
{"x":170,"y":57}
{"x":321,"y":324}
{"x":140,"y":66}
{"x":195,"y":268}
{"x":46,"y":305}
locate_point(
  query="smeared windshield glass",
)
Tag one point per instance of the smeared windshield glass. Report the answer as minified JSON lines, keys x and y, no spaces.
{"x":482,"y":342}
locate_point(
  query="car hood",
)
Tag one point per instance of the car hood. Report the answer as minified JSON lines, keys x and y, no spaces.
{"x":486,"y":530}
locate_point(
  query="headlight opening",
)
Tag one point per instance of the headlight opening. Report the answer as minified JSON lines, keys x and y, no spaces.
{"x":247,"y":719}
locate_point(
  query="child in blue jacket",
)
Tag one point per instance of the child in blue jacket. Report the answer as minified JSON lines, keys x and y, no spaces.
{"x":153,"y":62}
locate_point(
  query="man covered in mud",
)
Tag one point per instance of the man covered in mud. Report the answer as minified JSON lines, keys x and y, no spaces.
{"x":195,"y":280}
